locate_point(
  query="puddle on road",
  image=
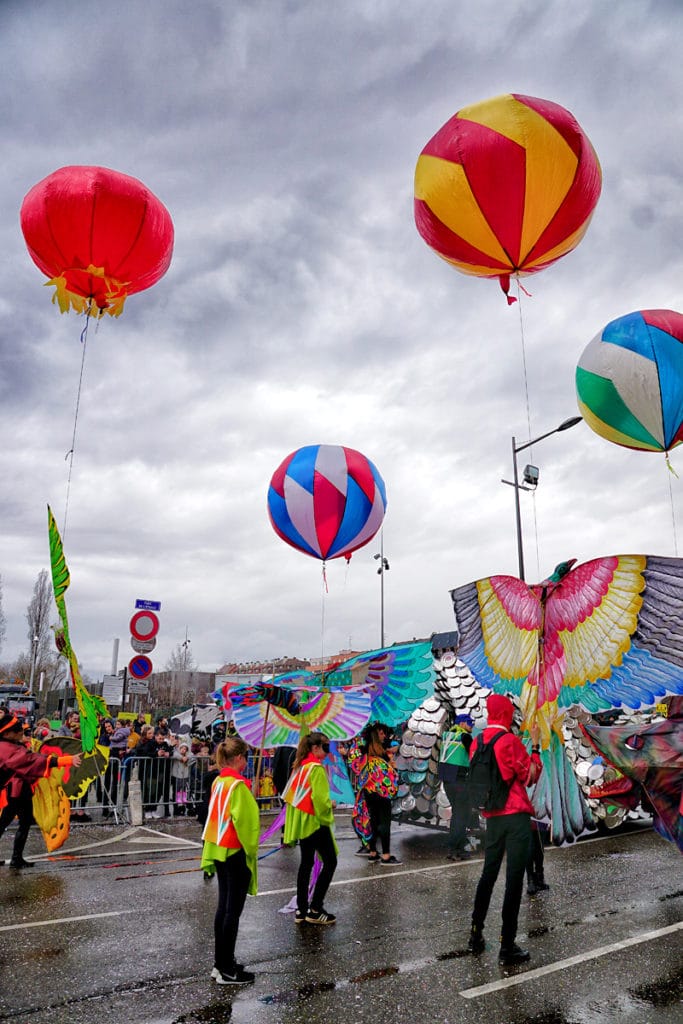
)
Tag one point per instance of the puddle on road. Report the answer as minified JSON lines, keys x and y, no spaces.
{"x":300,"y":994}
{"x":665,"y":992}
{"x":215,"y":1013}
{"x":378,"y":972}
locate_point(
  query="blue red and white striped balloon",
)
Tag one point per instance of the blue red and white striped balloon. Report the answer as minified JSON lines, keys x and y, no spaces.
{"x":326,"y":500}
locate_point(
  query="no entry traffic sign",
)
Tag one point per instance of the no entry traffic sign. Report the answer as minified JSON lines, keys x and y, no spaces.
{"x":140,"y":667}
{"x":144,"y":625}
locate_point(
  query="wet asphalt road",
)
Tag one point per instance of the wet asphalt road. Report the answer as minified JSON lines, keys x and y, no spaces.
{"x":120,"y":928}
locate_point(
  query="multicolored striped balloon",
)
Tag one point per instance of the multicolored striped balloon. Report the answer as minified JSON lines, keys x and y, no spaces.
{"x":629,"y":381}
{"x":506,"y":186}
{"x":326,"y":500}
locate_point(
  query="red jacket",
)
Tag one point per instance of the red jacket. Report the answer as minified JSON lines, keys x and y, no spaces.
{"x":515,"y":765}
{"x":16,"y":761}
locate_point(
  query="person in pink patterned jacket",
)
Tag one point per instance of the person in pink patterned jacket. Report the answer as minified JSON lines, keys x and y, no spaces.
{"x":372,"y":762}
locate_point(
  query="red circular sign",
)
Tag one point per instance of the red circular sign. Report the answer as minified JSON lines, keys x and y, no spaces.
{"x":140,"y":667}
{"x":144,"y":625}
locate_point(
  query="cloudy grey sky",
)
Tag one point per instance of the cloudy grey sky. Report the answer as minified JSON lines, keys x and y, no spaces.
{"x":302,"y":307}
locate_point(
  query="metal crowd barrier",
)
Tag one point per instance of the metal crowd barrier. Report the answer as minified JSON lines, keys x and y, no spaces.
{"x":163,"y":795}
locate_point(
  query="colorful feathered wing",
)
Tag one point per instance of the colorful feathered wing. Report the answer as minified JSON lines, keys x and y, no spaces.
{"x":398,"y":678}
{"x":607,"y":633}
{"x":338,"y":712}
{"x":89,"y":705}
{"x":386,"y":685}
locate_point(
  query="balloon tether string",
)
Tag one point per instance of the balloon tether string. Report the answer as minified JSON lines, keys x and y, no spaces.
{"x":528,"y":408}
{"x":673,"y":472}
{"x":324,"y":591}
{"x":70,"y":454}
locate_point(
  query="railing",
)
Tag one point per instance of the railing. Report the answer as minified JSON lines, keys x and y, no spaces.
{"x":163,"y":794}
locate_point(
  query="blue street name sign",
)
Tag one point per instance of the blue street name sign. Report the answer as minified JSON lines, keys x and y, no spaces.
{"x":148,"y":606}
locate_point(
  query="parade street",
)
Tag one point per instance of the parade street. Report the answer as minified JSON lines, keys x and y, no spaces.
{"x":119,"y":927}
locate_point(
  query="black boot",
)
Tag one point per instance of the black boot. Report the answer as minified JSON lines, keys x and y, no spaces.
{"x":513,"y":954}
{"x":476,"y":943}
{"x":18,"y":863}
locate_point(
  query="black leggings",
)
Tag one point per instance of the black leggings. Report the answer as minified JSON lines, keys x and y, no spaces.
{"x":322,"y":843}
{"x":233,"y":882}
{"x":379,"y":809}
{"x":20,"y":807}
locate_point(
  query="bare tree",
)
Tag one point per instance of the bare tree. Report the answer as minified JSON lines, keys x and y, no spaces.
{"x":41,"y":644}
{"x":181,"y":659}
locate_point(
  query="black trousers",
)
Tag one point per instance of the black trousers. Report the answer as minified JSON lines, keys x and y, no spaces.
{"x":233,"y":882}
{"x":459,"y":798}
{"x":20,"y":807}
{"x":322,"y":843}
{"x":506,"y":835}
{"x":534,"y":865}
{"x":379,"y":809}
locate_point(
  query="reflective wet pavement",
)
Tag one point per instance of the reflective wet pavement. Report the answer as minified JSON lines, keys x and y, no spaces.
{"x":122,"y":928}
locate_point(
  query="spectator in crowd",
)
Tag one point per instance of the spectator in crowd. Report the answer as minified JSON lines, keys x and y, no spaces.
{"x":208,"y":770}
{"x":181,"y":763}
{"x":42,"y":730}
{"x":72,"y":728}
{"x":71,"y":725}
{"x":163,"y":727}
{"x":164,"y":752}
{"x":146,"y":754}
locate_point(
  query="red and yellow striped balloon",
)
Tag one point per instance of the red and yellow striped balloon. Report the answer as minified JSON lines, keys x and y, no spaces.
{"x":506,"y":187}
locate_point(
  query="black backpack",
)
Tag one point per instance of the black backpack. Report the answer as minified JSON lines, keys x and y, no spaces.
{"x":488,"y":789}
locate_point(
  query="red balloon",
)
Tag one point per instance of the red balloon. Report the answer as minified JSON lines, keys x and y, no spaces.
{"x":99,"y":236}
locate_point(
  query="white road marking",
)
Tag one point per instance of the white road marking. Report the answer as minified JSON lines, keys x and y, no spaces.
{"x":572,"y":961}
{"x":64,"y":920}
{"x":377,"y":871}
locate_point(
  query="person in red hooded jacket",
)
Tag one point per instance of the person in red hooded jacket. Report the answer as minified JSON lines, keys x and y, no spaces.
{"x":508,"y":831}
{"x":20,"y":769}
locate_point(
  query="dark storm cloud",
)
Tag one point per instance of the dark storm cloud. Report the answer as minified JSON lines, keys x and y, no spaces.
{"x":301,"y":306}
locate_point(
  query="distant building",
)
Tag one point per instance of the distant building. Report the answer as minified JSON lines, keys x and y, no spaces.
{"x":275,"y":666}
{"x":176,"y":689}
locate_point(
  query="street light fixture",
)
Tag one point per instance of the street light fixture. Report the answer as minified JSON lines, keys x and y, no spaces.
{"x":530,"y":479}
{"x":383,"y":567}
{"x":185,"y":646}
{"x":34,"y":656}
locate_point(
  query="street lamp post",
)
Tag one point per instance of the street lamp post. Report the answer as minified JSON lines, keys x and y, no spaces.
{"x":530,"y":480}
{"x":34,"y":655}
{"x":383,"y":567}
{"x":185,"y":646}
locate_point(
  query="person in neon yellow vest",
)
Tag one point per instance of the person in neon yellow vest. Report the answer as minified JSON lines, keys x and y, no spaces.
{"x":231,"y":835}
{"x":309,"y":820}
